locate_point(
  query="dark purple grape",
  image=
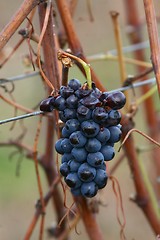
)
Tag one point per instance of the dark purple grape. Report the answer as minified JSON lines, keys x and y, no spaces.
{"x":81,"y":93}
{"x":99,"y":114}
{"x":46,"y":105}
{"x":90,"y":101}
{"x":103,"y":97}
{"x":95,"y":159}
{"x":93,"y":145}
{"x":90,"y":128}
{"x":86,"y":173}
{"x":103,"y":135}
{"x":80,"y":154}
{"x":72,"y":180}
{"x":108,"y":152}
{"x":83,"y":113}
{"x":89,"y":189}
{"x":72,"y":101}
{"x":77,"y":139}
{"x":101,"y":178}
{"x":64,"y":169}
{"x":74,"y":84}
{"x":66,"y":91}
{"x":115,"y":100}
{"x":67,"y":114}
{"x":66,"y":146}
{"x":115,"y":134}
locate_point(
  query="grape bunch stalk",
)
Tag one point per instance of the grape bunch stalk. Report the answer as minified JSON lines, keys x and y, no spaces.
{"x":91,"y":128}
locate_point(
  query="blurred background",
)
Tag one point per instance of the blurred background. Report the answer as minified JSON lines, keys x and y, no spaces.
{"x":18,"y":184}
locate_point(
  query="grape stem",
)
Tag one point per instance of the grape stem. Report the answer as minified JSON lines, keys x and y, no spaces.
{"x":86,"y":66}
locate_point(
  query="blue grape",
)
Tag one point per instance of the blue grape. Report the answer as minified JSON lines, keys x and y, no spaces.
{"x":66,"y":146}
{"x":58,"y":146}
{"x":89,"y":189}
{"x":72,"y":125}
{"x":67,"y":114}
{"x":103,"y":135}
{"x":93,"y":145}
{"x":81,"y":93}
{"x":90,"y":129}
{"x":72,"y":101}
{"x":77,"y":139}
{"x":99,"y":114}
{"x":115,"y":100}
{"x":72,"y":180}
{"x":95,"y":159}
{"x":59,"y":103}
{"x":74,"y":84}
{"x":65,"y":132}
{"x":66,"y":157}
{"x":101,"y":178}
{"x":115,"y":134}
{"x":86,"y":173}
{"x":80,"y":154}
{"x":64,"y":169}
{"x":73,"y":165}
{"x":108,"y":152}
{"x":114,"y":118}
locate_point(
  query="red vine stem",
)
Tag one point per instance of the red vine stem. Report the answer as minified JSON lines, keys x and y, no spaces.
{"x":153,"y":38}
{"x":16,"y":21}
{"x":39,"y":179}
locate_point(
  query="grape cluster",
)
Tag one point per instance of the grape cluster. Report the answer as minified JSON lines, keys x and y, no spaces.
{"x":92,"y":126}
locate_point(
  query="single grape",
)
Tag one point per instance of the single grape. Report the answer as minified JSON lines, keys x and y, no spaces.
{"x":80,"y":154}
{"x":77,"y":139}
{"x":58,"y":146}
{"x":66,"y":146}
{"x":99,"y":114}
{"x":90,"y":101}
{"x":72,"y":180}
{"x":73,"y":165}
{"x":101,"y":178}
{"x":46,"y":105}
{"x":89,"y":189}
{"x":83,"y":113}
{"x":90,"y":129}
{"x":81,"y":93}
{"x":66,"y":91}
{"x":66,"y":157}
{"x":72,"y":101}
{"x":103,"y":135}
{"x":72,"y":125}
{"x":67,"y":114}
{"x":64,"y":169}
{"x":108,"y":152}
{"x":95,"y":159}
{"x":93,"y":145}
{"x":114,"y":118}
{"x":65,"y":132}
{"x":86,"y":173}
{"x":115,"y":134}
{"x":59,"y":103}
{"x":115,"y":100}
{"x":74,"y":84}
